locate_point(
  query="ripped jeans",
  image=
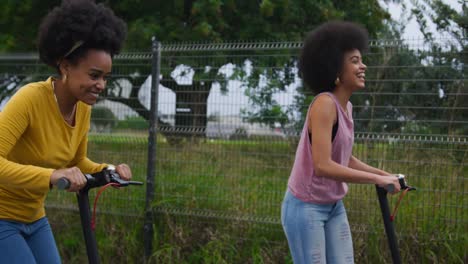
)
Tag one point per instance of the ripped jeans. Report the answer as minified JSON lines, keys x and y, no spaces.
{"x":316,"y":233}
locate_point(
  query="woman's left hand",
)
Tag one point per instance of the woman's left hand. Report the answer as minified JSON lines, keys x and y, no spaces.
{"x":124,"y":171}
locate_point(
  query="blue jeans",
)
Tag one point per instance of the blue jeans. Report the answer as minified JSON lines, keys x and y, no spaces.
{"x":316,"y":233}
{"x":27,"y":243}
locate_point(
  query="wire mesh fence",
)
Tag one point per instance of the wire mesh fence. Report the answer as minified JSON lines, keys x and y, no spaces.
{"x":229,"y":117}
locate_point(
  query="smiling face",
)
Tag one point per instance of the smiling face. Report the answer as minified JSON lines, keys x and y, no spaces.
{"x":354,"y":71}
{"x":88,"y":77}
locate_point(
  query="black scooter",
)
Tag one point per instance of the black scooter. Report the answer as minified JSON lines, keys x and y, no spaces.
{"x":388,"y":218}
{"x":102,"y":178}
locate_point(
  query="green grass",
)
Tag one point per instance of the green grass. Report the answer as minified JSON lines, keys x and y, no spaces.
{"x":218,"y":201}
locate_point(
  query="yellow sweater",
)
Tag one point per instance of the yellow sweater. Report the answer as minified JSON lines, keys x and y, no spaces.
{"x":35,"y":140}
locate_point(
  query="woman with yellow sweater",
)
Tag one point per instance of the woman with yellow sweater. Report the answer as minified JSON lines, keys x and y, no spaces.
{"x":44,"y":126}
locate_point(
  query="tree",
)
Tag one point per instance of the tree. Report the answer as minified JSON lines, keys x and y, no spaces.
{"x":221,"y":21}
{"x":19,"y":21}
{"x":449,"y":58}
{"x":214,"y":21}
{"x":418,"y":88}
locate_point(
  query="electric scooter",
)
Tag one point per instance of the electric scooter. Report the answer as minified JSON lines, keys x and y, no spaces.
{"x":388,"y":218}
{"x":107,"y":177}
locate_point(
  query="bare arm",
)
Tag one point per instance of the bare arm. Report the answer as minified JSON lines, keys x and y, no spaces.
{"x":357,"y":164}
{"x":321,"y":119}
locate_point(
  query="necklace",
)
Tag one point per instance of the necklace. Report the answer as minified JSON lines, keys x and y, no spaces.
{"x":68,"y":118}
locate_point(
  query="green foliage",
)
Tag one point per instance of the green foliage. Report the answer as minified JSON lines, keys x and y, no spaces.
{"x":19,"y":21}
{"x":267,"y":8}
{"x":413,"y":90}
{"x":213,"y":20}
{"x":450,"y":57}
{"x":227,"y":20}
{"x":137,"y":123}
{"x":443,"y":16}
{"x":103,"y":117}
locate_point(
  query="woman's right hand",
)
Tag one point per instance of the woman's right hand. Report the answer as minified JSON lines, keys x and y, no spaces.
{"x":385,"y":181}
{"x":74,"y":175}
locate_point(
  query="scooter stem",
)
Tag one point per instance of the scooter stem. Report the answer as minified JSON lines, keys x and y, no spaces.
{"x":389,"y":228}
{"x":85,"y":215}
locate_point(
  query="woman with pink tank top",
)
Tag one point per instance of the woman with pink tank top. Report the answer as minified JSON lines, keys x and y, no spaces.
{"x":313,"y":215}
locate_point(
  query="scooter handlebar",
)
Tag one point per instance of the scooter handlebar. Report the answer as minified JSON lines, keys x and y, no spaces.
{"x":98,"y":179}
{"x":63,"y":184}
{"x":403,"y":185}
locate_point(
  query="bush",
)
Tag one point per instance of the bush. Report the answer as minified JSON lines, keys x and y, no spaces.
{"x":133,"y":123}
{"x":102,"y":119}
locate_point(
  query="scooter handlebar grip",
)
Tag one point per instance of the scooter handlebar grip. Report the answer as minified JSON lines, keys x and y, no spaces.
{"x":390,"y":188}
{"x":63,"y":184}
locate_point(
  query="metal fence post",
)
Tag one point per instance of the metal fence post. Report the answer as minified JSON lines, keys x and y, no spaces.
{"x":153,"y":127}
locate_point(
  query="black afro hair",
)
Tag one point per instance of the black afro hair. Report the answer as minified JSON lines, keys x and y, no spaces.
{"x":321,"y":58}
{"x":79,"y":21}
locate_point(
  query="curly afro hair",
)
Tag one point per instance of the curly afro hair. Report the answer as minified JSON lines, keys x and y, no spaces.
{"x":76,"y":26}
{"x":321,"y":58}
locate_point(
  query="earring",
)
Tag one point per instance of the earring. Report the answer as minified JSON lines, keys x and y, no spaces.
{"x":337,"y":81}
{"x":64,"y":78}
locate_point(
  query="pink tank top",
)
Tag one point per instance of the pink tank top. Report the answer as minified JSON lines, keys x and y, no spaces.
{"x":303,"y":182}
